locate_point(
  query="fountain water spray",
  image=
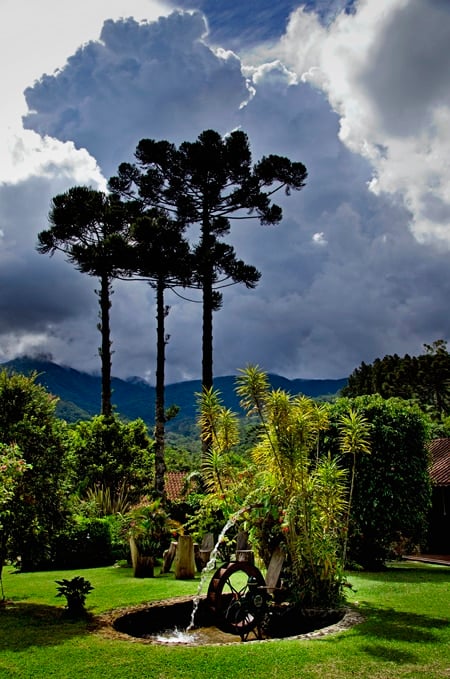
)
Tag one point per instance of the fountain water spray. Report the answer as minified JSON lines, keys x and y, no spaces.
{"x":212,"y":563}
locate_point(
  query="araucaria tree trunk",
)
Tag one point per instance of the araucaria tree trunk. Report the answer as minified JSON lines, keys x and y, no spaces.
{"x":160,"y":417}
{"x":105,"y":349}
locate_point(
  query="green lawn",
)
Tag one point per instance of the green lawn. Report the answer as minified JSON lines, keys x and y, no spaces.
{"x":406,"y":633}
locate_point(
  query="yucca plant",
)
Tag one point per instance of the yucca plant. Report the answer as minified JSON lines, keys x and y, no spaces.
{"x":306,"y":493}
{"x":108,"y":502}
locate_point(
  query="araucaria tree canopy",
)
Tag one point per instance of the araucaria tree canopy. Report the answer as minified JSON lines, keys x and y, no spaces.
{"x":206,"y":183}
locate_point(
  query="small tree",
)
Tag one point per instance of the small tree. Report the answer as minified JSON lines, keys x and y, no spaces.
{"x":114,"y":455}
{"x":289,"y":498}
{"x":12,"y":467}
{"x":354,"y":438}
{"x":304,"y":498}
{"x":38,"y":506}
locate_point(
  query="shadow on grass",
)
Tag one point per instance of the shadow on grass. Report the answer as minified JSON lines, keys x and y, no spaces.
{"x":380,"y":652}
{"x":413,"y":573}
{"x":393,"y":625}
{"x":385,"y":630}
{"x":24,"y":625}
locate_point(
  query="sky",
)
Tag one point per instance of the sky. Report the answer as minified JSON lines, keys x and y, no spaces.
{"x":357,"y":90}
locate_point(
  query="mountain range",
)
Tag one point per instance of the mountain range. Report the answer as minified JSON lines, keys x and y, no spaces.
{"x":79,"y":393}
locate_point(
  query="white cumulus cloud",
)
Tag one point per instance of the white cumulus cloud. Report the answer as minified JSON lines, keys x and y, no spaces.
{"x":385,"y":70}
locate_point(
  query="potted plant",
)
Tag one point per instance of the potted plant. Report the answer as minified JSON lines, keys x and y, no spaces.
{"x":149,"y":534}
{"x":75,"y":591}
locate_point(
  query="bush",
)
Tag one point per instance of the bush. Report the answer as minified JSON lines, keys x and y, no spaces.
{"x":37,"y":510}
{"x":112,"y":454}
{"x":392,"y":492}
{"x":86,"y":543}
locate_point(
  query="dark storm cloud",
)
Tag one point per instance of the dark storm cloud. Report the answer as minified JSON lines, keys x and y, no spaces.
{"x":409,"y":66}
{"x":33,"y":294}
{"x":343,"y":279}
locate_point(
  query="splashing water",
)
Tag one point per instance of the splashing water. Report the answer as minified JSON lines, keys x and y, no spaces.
{"x":212,"y":564}
{"x":175,"y":636}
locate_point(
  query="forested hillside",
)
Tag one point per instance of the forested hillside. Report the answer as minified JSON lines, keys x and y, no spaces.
{"x":79,"y":392}
{"x":424,"y":378}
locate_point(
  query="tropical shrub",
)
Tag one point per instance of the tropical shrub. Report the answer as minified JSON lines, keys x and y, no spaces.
{"x":290,"y":496}
{"x":303,"y":495}
{"x":85,"y":543}
{"x":149,"y":526}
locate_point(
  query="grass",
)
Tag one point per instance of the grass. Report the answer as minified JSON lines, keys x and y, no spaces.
{"x":405,"y":633}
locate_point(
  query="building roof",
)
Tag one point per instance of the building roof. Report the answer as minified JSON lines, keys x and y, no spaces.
{"x":174,"y":485}
{"x":440,"y":462}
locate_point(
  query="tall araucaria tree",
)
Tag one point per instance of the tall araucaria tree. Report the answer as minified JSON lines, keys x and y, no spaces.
{"x":87,"y":226}
{"x":206,"y":183}
{"x":157,"y":252}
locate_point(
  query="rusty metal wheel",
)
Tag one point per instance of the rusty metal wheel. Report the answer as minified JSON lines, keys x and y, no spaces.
{"x":237,"y":595}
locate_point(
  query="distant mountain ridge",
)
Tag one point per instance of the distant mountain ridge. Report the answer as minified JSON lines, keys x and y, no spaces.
{"x":79,"y":393}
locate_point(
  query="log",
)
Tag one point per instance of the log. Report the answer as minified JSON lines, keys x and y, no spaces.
{"x":245,"y":555}
{"x":184,"y":559}
{"x":204,"y":551}
{"x":274,"y":569}
{"x":168,"y":557}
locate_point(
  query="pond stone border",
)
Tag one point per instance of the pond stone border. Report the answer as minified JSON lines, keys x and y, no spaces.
{"x":104,"y":626}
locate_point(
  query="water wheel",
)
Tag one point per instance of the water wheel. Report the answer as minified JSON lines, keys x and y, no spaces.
{"x":237,"y":595}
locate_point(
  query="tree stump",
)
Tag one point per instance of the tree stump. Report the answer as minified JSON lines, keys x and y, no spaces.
{"x":274,"y":569}
{"x":184,"y":558}
{"x":245,"y":555}
{"x":205,"y":550}
{"x":168,"y":557}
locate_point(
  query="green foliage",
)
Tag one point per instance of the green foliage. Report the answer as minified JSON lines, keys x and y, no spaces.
{"x":287,"y":495}
{"x":38,"y":507}
{"x":85,"y":543}
{"x":105,"y":502}
{"x":424,"y":378}
{"x":392,"y":485}
{"x":354,"y":439}
{"x":12,"y":466}
{"x":219,"y":426}
{"x":303,"y":495}
{"x":113,"y":455}
{"x":148,"y":524}
{"x":75,"y":592}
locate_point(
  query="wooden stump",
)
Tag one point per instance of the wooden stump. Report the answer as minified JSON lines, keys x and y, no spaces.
{"x":168,"y":557}
{"x":274,"y":570}
{"x":184,"y":559}
{"x":245,"y":555}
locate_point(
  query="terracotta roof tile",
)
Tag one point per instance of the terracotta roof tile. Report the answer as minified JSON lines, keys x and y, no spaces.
{"x":440,"y":462}
{"x":174,"y":485}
